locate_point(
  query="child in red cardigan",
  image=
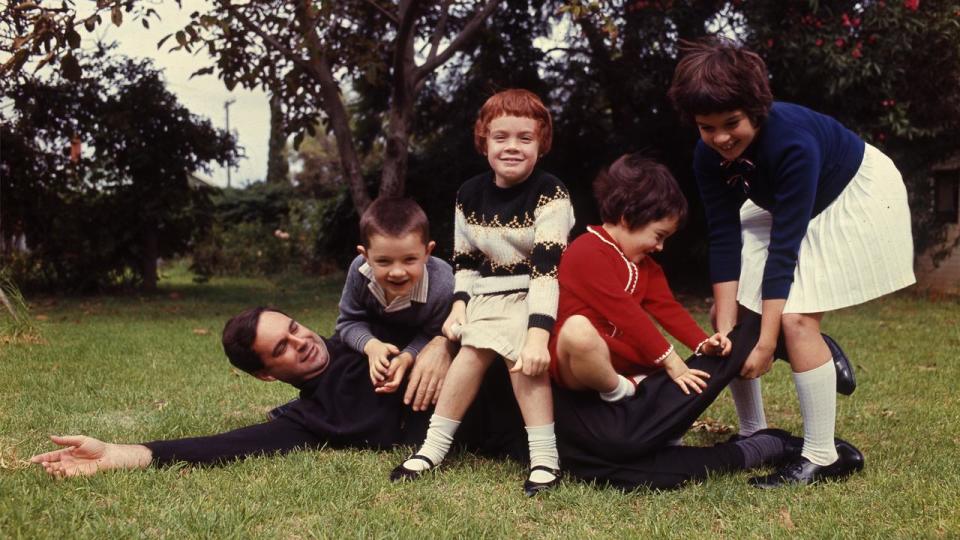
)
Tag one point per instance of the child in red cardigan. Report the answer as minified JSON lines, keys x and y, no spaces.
{"x":611,"y":291}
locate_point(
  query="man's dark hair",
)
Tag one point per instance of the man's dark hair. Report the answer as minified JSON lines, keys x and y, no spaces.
{"x":638,"y":190}
{"x":238,"y":336}
{"x":716,"y":75}
{"x":394,"y":217}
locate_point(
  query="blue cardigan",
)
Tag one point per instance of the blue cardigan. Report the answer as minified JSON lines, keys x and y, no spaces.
{"x":803,"y":161}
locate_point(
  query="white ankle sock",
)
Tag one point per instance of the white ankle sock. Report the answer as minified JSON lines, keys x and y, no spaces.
{"x":435,"y":447}
{"x":817,"y":392}
{"x":625,"y":388}
{"x":748,"y":400}
{"x":543,"y":451}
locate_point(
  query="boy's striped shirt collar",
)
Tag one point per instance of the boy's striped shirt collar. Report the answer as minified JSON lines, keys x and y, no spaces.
{"x":418,"y":294}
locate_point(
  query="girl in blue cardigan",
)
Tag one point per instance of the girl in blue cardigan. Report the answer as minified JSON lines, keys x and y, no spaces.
{"x":804,"y":218}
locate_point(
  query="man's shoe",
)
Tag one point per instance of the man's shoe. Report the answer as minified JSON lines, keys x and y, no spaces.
{"x":531,"y":488}
{"x":846,"y":380}
{"x":803,"y":471}
{"x":401,"y":473}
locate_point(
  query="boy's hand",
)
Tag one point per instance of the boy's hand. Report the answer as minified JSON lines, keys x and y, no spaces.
{"x":398,"y":368}
{"x":685,"y":377}
{"x":717,"y":345}
{"x":458,"y":315}
{"x":758,"y":363}
{"x":378,"y":355}
{"x":534,"y":358}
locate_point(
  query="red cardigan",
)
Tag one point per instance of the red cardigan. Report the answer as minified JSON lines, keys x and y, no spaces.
{"x":619,"y":298}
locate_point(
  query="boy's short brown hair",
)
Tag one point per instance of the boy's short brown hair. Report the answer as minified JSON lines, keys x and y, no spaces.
{"x":394,"y":217}
{"x":514,"y":102}
{"x":638,"y":190}
{"x":716,"y":75}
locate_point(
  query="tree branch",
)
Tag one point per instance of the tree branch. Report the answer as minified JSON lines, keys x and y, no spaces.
{"x":270,"y":40}
{"x":458,"y":42}
{"x":438,"y":32}
{"x":393,"y":18}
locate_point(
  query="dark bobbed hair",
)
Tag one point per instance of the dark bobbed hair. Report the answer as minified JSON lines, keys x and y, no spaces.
{"x":716,"y":75}
{"x":638,"y":190}
{"x":514,"y":102}
{"x":393,"y":217}
{"x":238,"y":336}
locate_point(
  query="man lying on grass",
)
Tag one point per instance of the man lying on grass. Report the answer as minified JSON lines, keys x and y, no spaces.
{"x":337,"y":407}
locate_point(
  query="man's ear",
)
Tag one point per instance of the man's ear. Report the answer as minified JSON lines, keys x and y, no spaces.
{"x":264,"y":376}
{"x":362,"y":251}
{"x":430,"y":245}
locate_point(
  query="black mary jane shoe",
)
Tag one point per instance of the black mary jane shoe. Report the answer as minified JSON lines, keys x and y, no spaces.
{"x":803,"y":471}
{"x":846,"y":379}
{"x":531,"y":488}
{"x":401,"y":473}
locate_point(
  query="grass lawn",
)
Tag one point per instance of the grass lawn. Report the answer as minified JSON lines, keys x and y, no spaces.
{"x":134,"y":369}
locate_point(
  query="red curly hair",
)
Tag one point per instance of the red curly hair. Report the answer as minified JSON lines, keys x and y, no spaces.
{"x":513,"y":102}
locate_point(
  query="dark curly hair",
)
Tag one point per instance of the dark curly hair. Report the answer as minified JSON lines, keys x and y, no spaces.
{"x":716,"y":75}
{"x":638,"y":190}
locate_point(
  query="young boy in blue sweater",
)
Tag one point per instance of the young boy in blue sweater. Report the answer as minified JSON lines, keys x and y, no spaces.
{"x":396,"y":294}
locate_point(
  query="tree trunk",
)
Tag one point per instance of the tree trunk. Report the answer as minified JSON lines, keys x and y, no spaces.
{"x":149,"y":256}
{"x":394,"y":175}
{"x":278,"y":170}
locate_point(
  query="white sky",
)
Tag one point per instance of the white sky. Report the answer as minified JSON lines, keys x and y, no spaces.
{"x":203,"y":95}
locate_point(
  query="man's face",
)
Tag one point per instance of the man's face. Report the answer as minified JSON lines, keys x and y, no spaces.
{"x":397,"y":262}
{"x":289,"y":351}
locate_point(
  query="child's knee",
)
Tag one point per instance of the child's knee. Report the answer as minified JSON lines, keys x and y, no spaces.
{"x":577,"y":335}
{"x":799,"y":325}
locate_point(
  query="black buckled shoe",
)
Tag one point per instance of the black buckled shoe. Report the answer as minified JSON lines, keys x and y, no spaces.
{"x":803,"y":471}
{"x":531,"y":488}
{"x":846,"y":380}
{"x":401,"y":473}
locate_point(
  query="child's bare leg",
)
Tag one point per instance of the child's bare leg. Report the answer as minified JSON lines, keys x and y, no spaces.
{"x":536,"y":405}
{"x":816,"y":381}
{"x":459,"y":390}
{"x":583,"y":360}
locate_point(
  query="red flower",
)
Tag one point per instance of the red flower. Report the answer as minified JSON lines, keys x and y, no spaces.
{"x":912,"y":5}
{"x":770,"y":43}
{"x":839,"y":42}
{"x":819,"y":42}
{"x":856,"y":53}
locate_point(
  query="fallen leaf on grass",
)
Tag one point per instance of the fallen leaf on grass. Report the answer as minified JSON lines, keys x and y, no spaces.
{"x":174,"y":295}
{"x":887,"y":412}
{"x":41,"y":317}
{"x":201,"y":331}
{"x":931,"y":367}
{"x":160,"y":404}
{"x":711,"y":425}
{"x":786,"y":520}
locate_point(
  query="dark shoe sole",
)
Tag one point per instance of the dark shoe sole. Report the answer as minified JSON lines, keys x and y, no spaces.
{"x":846,"y":378}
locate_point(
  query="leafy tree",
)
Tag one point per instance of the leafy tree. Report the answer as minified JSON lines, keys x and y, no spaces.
{"x":310,"y":53}
{"x":125,"y":200}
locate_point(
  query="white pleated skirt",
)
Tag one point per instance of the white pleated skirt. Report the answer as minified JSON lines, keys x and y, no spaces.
{"x":859,"y":248}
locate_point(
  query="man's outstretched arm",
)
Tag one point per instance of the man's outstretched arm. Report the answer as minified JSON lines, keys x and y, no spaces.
{"x":85,"y":456}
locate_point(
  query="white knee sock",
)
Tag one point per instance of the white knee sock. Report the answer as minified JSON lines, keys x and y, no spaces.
{"x":543,"y":451}
{"x":748,"y":400}
{"x":435,"y":447}
{"x":625,"y":388}
{"x":817,"y":391}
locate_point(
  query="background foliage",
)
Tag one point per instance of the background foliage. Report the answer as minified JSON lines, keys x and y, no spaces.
{"x":889,"y":70}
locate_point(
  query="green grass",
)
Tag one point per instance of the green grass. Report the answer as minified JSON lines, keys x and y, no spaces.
{"x":133,"y":369}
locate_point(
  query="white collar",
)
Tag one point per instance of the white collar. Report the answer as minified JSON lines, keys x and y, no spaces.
{"x":418,"y":294}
